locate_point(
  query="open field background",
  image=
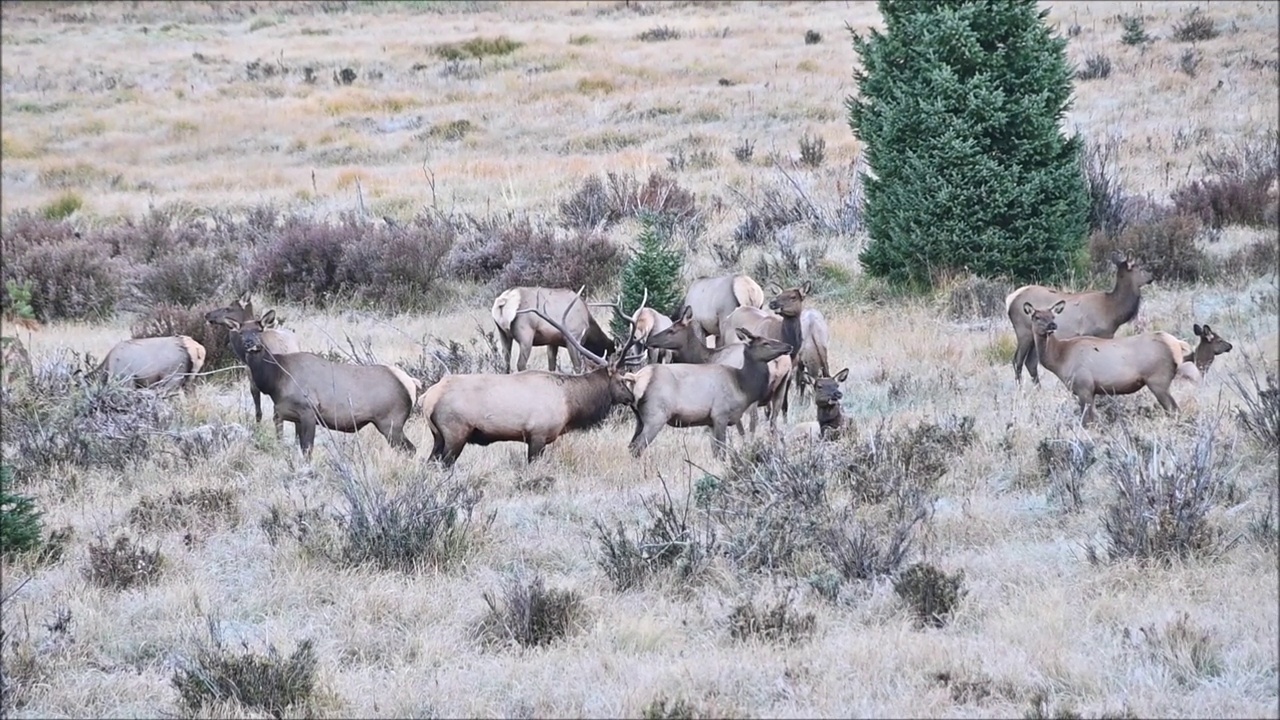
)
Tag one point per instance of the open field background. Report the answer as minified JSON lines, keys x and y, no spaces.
{"x":112,"y":109}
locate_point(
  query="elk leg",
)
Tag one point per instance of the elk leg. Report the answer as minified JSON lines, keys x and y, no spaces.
{"x":305,"y":427}
{"x":394,"y":433}
{"x":278,"y":422}
{"x":755,"y":419}
{"x":1020,"y":356}
{"x":536,"y":446}
{"x":553,"y":357}
{"x":506,"y":349}
{"x":257,"y":400}
{"x":646,"y":431}
{"x":524,"y":336}
{"x":1033,"y":364}
{"x":719,"y":437}
{"x":1164,"y":398}
{"x":437,"y":442}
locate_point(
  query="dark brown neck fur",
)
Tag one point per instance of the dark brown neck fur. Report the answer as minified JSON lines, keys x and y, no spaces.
{"x":753,"y":377}
{"x":590,"y":398}
{"x":1124,"y":298}
{"x":791,"y":333}
{"x":830,"y":418}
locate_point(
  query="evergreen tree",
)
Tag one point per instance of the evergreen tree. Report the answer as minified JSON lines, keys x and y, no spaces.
{"x":20,"y":524}
{"x":959,"y":106}
{"x":654,"y":267}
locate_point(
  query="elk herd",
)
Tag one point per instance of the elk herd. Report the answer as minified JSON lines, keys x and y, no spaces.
{"x":727,"y":352}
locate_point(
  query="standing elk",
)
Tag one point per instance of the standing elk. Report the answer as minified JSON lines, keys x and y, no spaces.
{"x":687,"y":344}
{"x":780,"y":322}
{"x":826,"y":399}
{"x":1090,"y":366}
{"x":306,"y":390}
{"x":713,"y":298}
{"x":534,"y":406}
{"x":815,"y":338}
{"x":1096,"y":313}
{"x":683,"y":395}
{"x":167,"y":362}
{"x":531,"y":329}
{"x":276,"y":339}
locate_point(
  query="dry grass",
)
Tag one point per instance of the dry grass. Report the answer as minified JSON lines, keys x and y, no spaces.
{"x":1038,"y":626}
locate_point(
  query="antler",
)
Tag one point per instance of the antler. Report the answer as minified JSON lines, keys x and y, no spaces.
{"x":617,"y":308}
{"x":559,"y":326}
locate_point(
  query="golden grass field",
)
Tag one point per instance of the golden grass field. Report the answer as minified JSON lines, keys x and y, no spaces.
{"x":134,"y":104}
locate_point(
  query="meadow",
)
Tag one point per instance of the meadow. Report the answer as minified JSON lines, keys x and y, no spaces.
{"x":967,"y":548}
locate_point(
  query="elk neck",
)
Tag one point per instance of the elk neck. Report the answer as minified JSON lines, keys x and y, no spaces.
{"x":265,"y":369}
{"x":590,"y":398}
{"x":753,"y":377}
{"x":791,"y":333}
{"x":1049,"y":350}
{"x":693,"y":349}
{"x":1124,"y":298}
{"x":830,"y":417}
{"x":596,"y":340}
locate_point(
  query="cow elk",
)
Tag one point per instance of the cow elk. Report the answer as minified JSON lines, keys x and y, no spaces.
{"x":276,"y":339}
{"x":687,"y":344}
{"x":815,"y":338}
{"x":308,"y":390}
{"x":531,"y":329}
{"x":715,"y":395}
{"x":1096,"y":313}
{"x":1090,"y":366}
{"x":534,"y":406}
{"x":713,"y":298}
{"x":163,"y":362}
{"x":826,"y":398}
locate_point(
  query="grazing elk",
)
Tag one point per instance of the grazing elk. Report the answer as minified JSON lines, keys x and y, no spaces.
{"x":1211,"y":345}
{"x":531,"y":329}
{"x":167,"y":362}
{"x":713,"y":298}
{"x":1090,"y":366}
{"x":687,"y":344}
{"x":277,"y":339}
{"x":1095,"y":313}
{"x":683,"y":395}
{"x":826,"y":398}
{"x":815,"y":338}
{"x":309,"y":390}
{"x":534,"y":406}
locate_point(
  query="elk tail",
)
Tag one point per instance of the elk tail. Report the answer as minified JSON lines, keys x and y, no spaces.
{"x":432,"y":396}
{"x":195,"y":353}
{"x":748,"y":292}
{"x":411,"y":384}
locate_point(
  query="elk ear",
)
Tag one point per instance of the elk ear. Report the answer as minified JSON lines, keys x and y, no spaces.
{"x":806,"y":288}
{"x":842,"y":375}
{"x":687,"y":315}
{"x":745,"y":335}
{"x":1199,"y":331}
{"x":244,"y":299}
{"x":268,"y":318}
{"x":1026,"y":308}
{"x":1058,"y":307}
{"x":231,"y":323}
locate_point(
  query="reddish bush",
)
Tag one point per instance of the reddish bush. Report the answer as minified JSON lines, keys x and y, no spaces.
{"x":398,"y":268}
{"x":1163,"y":240}
{"x":304,"y":262}
{"x":70,"y":279}
{"x":584,"y":259}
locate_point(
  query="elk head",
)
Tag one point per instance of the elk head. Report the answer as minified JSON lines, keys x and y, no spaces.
{"x":619,"y":389}
{"x":240,"y":310}
{"x":1211,"y":345}
{"x":250,"y":331}
{"x":826,"y":390}
{"x":789,"y":303}
{"x":762,"y":348}
{"x":673,"y":338}
{"x":1137,"y":273}
{"x":1044,"y":320}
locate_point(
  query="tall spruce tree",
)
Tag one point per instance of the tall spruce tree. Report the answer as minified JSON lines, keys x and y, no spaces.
{"x":959,"y":104}
{"x":654,"y":267}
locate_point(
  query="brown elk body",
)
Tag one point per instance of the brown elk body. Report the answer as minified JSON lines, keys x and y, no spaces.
{"x":1096,"y":313}
{"x":167,"y":362}
{"x":826,"y":399}
{"x":647,"y":322}
{"x":530,"y":329}
{"x":276,"y":339}
{"x":780,"y":322}
{"x":683,"y":395}
{"x":713,"y":298}
{"x":685,"y":340}
{"x":308,"y":390}
{"x":815,"y":338}
{"x":1090,"y":366}
{"x":533,"y":406}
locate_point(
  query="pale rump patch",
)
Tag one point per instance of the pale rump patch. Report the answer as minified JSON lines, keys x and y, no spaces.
{"x":1177,"y":348}
{"x":748,"y":292}
{"x":639,"y":380}
{"x":433,"y":395}
{"x":505,"y":308}
{"x":1008,"y":300}
{"x":644,"y":321}
{"x":411,"y":385}
{"x":194,"y":350}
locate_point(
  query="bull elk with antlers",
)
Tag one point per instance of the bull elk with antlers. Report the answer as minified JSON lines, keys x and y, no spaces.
{"x":1098,"y":314}
{"x":534,"y":406}
{"x":532,"y":329}
{"x":276,"y":339}
{"x":1090,"y":366}
{"x":308,"y":390}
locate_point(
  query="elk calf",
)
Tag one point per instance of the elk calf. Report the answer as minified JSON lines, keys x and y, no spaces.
{"x":1211,"y":345}
{"x":682,"y":395}
{"x":1090,"y":366}
{"x":815,"y":338}
{"x":529,"y":330}
{"x":826,"y":398}
{"x":308,"y":390}
{"x":167,"y":362}
{"x":276,"y":339}
{"x":1098,"y":314}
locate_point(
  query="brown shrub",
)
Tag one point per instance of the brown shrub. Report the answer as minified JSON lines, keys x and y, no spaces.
{"x":487,"y":248}
{"x":600,"y":204}
{"x":1162,"y":239}
{"x":1238,"y":190}
{"x":589,"y":259}
{"x":188,"y":278}
{"x":304,"y":262}
{"x":68,"y":279}
{"x":399,"y":268}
